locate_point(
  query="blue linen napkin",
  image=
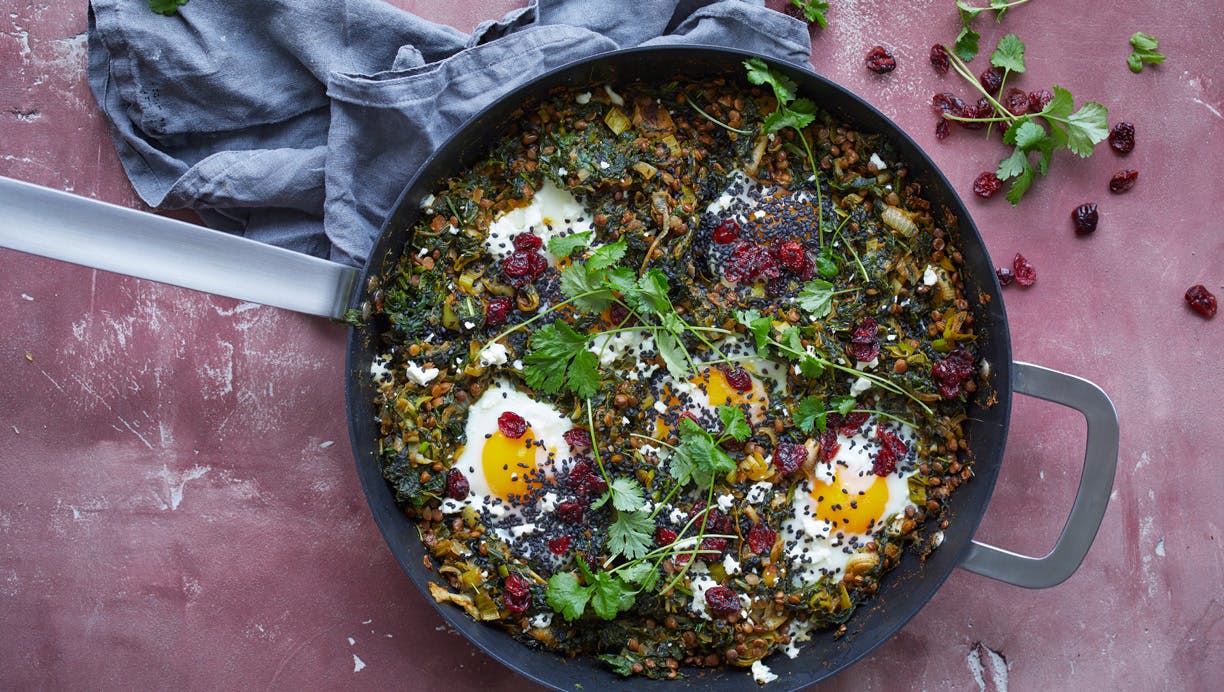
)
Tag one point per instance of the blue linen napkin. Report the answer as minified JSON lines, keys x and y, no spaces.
{"x":298,"y":122}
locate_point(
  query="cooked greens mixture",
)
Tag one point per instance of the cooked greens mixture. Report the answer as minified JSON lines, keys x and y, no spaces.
{"x":676,"y":374}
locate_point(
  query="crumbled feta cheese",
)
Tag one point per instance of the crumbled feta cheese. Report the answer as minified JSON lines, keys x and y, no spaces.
{"x":860,"y":385}
{"x":725,"y":502}
{"x":761,"y":672}
{"x":877,"y":161}
{"x":756,"y":494}
{"x":929,"y":277}
{"x":614,"y":97}
{"x":548,"y":503}
{"x":378,"y":369}
{"x":604,"y":165}
{"x":422,"y":252}
{"x":428,"y":202}
{"x":731,"y":565}
{"x":469,"y":325}
{"x":493,"y":354}
{"x":421,"y":376}
{"x":583,"y":99}
{"x":545,"y":619}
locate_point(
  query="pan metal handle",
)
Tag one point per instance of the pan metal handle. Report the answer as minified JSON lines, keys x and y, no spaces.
{"x":1091,"y":499}
{"x":55,"y":224}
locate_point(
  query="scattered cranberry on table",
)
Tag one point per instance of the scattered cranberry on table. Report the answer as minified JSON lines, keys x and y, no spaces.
{"x":1123,"y":181}
{"x":1085,"y":217}
{"x":880,"y":61}
{"x":1201,"y":300}
{"x":1006,"y":276}
{"x":939,"y":58}
{"x":1026,"y":274}
{"x":986,"y":185}
{"x":1122,"y":138}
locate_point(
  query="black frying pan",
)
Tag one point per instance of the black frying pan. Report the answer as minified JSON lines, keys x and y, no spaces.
{"x":62,"y":226}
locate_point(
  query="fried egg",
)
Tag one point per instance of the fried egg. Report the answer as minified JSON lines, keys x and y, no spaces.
{"x":552,"y":212}
{"x":844,"y":505}
{"x":501,"y":469}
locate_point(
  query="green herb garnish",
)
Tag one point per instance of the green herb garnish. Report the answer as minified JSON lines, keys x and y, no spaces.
{"x":966,"y":45}
{"x":1144,"y":52}
{"x":166,"y":7}
{"x":813,"y":11}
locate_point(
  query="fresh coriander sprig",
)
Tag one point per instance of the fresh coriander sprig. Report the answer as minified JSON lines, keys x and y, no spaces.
{"x":813,"y":11}
{"x":166,"y":7}
{"x":1143,"y":52}
{"x":1078,"y":130}
{"x":966,"y":45}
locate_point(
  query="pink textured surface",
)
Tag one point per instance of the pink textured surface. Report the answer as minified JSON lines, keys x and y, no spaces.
{"x":178,"y":505}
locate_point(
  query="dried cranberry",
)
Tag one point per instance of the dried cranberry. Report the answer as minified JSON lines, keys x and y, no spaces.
{"x":512,"y":425}
{"x":714,"y":520}
{"x":498,"y":310}
{"x":585,"y":481}
{"x":516,"y":594}
{"x":1026,"y":274}
{"x":570,"y":512}
{"x":828,"y":445}
{"x":1016,"y":101}
{"x":1038,"y":100}
{"x":1123,"y":181}
{"x":559,"y":545}
{"x":788,"y":457}
{"x":1201,"y":300}
{"x":749,"y":262}
{"x":738,"y":378}
{"x":1006,"y":276}
{"x":727,"y":232}
{"x":791,"y":255}
{"x":942,"y":130}
{"x":981,"y":109}
{"x":939,"y":58}
{"x":892,"y":450}
{"x":991,"y":79}
{"x":712,"y":548}
{"x":526,"y":242}
{"x":986,"y":185}
{"x":851,"y":422}
{"x":578,"y":439}
{"x":691,"y":416}
{"x":950,"y":371}
{"x":864,"y":343}
{"x":1122,"y":138}
{"x":722,"y":601}
{"x":947,"y":104}
{"x":880,"y":61}
{"x":761,"y":539}
{"x":521,"y":267}
{"x":1085,"y":217}
{"x":457,"y":485}
{"x":665,"y":536}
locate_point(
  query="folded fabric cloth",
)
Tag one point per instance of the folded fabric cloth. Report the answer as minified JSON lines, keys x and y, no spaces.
{"x":298,"y":122}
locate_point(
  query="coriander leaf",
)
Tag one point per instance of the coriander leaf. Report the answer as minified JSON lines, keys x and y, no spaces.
{"x":1023,"y":181}
{"x":582,"y":378}
{"x":966,"y":45}
{"x":816,"y":297}
{"x":578,"y":280}
{"x":637,"y":572}
{"x":1061,"y":105}
{"x":809,"y":414}
{"x":1027,"y":135}
{"x":673,"y":323}
{"x":813,"y":11}
{"x":566,"y":596}
{"x":735,"y":423}
{"x":672,"y":354}
{"x":784,"y":117}
{"x":1142,"y":41}
{"x":760,"y":328}
{"x":166,"y":7}
{"x":968,"y":12}
{"x":1009,"y":54}
{"x":605,"y":256}
{"x":627,"y":494}
{"x":611,"y":596}
{"x":759,"y":73}
{"x":564,"y":245}
{"x":793,"y":341}
{"x":1047,"y":147}
{"x":826,"y":263}
{"x":1144,"y":52}
{"x":631,"y":535}
{"x":649,"y":294}
{"x":1013,"y":165}
{"x":1087,"y":127}
{"x":843,"y":404}
{"x":810,"y":368}
{"x":1000,"y":6}
{"x":698,"y":457}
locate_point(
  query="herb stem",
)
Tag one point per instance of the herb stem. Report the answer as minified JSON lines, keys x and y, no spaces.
{"x":714,"y":120}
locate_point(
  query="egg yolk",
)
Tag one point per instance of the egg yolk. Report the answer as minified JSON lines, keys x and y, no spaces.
{"x":856,"y":506}
{"x":719,"y":391}
{"x":506,"y":463}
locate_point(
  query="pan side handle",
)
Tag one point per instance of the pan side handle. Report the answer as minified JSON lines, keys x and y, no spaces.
{"x":58,"y":225}
{"x":1091,"y":499}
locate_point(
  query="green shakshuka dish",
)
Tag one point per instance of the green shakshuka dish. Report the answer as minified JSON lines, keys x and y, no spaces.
{"x":676,"y":374}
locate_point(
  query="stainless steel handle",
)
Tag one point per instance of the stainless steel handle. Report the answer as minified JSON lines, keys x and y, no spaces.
{"x":55,"y":224}
{"x":1091,"y":499}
